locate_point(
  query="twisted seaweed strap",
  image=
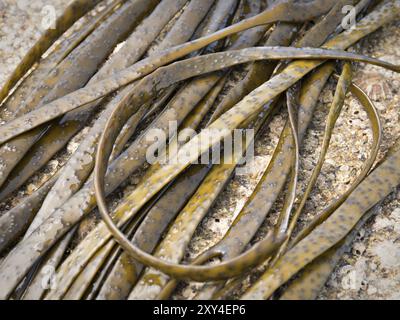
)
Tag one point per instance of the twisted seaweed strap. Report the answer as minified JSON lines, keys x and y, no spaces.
{"x":283,"y":11}
{"x":379,"y":184}
{"x":22,"y":257}
{"x":336,"y":108}
{"x":225,"y":270}
{"x":72,"y":13}
{"x":189,"y":68}
{"x":374,"y":119}
{"x":376,"y":128}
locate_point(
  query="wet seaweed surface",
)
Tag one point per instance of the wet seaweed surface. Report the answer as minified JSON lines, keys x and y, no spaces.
{"x":312,"y":214}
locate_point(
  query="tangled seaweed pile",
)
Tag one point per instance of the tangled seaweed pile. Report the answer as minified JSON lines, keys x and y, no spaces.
{"x":174,"y":65}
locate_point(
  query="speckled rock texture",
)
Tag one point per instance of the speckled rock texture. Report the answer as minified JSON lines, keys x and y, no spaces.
{"x":371,"y":268}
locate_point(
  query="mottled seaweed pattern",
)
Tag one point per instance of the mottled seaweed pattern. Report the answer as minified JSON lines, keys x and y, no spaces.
{"x":137,"y":65}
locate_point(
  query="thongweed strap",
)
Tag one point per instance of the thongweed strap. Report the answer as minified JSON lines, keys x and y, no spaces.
{"x":72,"y":13}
